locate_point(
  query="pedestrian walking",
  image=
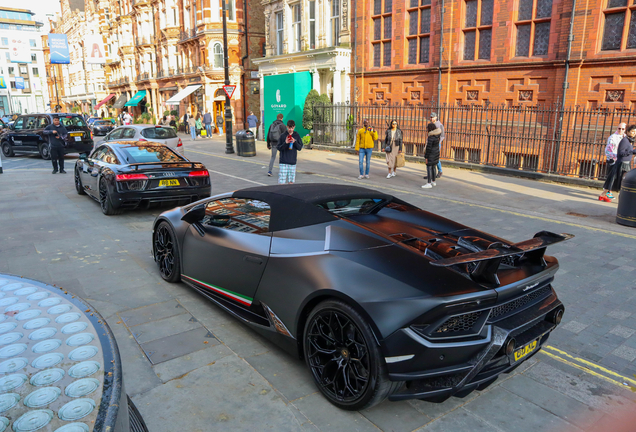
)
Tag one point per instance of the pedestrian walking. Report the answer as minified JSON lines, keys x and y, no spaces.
{"x":611,"y":154}
{"x":624,"y":155}
{"x":440,"y":126}
{"x":392,"y":147}
{"x":219,"y":123}
{"x":127,"y":118}
{"x":207,"y":121}
{"x":275,"y":131}
{"x":57,"y":134}
{"x":252,"y":123}
{"x":432,"y":154}
{"x":198,"y":125}
{"x":364,"y":144}
{"x":289,"y":144}
{"x":192,"y":123}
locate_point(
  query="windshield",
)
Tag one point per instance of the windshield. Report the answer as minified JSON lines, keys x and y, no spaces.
{"x":159,"y":133}
{"x":72,"y":121}
{"x":143,"y":154}
{"x":354,"y":206}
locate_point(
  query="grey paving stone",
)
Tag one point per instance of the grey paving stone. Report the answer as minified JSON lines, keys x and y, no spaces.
{"x":624,"y":332}
{"x":226,"y":396}
{"x":511,"y":412}
{"x":559,"y":404}
{"x":170,"y":347}
{"x":180,"y":366}
{"x":330,"y":419}
{"x":285,"y":373}
{"x":574,"y":326}
{"x":157,"y":311}
{"x":241,"y":339}
{"x":460,"y":420}
{"x":625,"y":352}
{"x":396,"y":417}
{"x":165,"y":327}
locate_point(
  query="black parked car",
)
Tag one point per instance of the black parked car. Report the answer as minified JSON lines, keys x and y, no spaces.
{"x":126,"y":175}
{"x":25,"y":135}
{"x":102,"y":127}
{"x":381,"y":298}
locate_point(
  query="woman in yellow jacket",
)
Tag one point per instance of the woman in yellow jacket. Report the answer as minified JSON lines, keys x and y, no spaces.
{"x":364,"y":144}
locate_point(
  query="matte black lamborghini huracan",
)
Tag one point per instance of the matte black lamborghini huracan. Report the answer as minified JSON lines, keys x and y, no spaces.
{"x":126,"y":175}
{"x":381,"y":299}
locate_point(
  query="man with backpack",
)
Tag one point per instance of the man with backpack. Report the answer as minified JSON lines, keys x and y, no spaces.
{"x":274,"y":133}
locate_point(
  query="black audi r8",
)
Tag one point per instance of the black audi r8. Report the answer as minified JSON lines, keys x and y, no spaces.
{"x":126,"y":175}
{"x":380,"y":298}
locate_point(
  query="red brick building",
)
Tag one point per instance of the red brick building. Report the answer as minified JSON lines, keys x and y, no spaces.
{"x":504,"y":52}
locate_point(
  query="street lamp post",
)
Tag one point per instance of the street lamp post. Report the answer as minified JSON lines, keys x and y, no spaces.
{"x":229,"y":147}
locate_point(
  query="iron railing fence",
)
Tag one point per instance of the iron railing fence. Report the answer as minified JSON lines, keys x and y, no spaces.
{"x":543,"y":139}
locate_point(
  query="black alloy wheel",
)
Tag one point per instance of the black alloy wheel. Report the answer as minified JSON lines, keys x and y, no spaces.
{"x":45,"y":151}
{"x":344,"y":359}
{"x":79,"y":187}
{"x":104,"y":200}
{"x":7,"y":150}
{"x":166,"y":253}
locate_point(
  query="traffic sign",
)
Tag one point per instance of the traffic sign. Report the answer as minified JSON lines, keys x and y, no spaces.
{"x":229,"y":90}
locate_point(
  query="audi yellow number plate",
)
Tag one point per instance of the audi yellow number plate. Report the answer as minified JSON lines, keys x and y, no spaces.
{"x":169,"y":183}
{"x":523,"y":352}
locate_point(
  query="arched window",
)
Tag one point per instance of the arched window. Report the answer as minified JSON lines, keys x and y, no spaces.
{"x":217,"y":52}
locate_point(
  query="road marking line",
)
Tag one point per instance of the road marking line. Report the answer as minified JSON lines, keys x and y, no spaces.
{"x":238,"y":178}
{"x":514,"y":213}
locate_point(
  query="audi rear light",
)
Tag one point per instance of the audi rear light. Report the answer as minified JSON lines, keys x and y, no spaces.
{"x":202,"y":173}
{"x":131,"y":177}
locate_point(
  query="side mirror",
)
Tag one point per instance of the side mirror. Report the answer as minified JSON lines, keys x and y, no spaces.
{"x":83,"y":156}
{"x":196,"y":214}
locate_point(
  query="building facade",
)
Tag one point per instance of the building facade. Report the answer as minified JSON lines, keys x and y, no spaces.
{"x":511,"y":53}
{"x":170,"y":53}
{"x":23,"y":86}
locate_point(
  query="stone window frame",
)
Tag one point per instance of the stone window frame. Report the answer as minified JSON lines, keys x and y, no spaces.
{"x":384,"y":42}
{"x":479,"y":29}
{"x":279,"y":31}
{"x":628,"y":33}
{"x":419,"y":7}
{"x":533,"y":22}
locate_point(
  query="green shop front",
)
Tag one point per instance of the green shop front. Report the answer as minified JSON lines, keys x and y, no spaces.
{"x":285,"y":94}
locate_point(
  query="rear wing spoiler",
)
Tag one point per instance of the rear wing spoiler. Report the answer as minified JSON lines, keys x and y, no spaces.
{"x":145,"y":164}
{"x":488,"y":260}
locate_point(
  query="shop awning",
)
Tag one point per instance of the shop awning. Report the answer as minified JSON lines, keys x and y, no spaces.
{"x":106,"y":99}
{"x":136,"y":98}
{"x":174,"y":100}
{"x":120,"y":102}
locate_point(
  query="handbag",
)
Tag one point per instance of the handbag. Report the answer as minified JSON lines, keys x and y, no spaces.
{"x":204,"y":132}
{"x":400,"y":161}
{"x":388,"y":148}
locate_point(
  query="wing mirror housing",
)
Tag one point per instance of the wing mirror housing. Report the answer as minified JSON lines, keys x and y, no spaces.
{"x":195,"y":214}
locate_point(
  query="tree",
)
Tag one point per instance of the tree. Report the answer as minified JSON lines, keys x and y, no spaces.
{"x":308,"y":111}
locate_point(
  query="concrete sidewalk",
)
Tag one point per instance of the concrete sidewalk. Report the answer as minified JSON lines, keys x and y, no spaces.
{"x":189,"y":366}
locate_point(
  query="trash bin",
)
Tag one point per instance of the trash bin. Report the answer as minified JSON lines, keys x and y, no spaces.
{"x":626,"y":212}
{"x":245,"y":143}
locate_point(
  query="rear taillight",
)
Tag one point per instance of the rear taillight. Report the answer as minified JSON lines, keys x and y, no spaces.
{"x":131,"y":177}
{"x":203,"y":173}
{"x":180,"y":143}
{"x":142,"y":139}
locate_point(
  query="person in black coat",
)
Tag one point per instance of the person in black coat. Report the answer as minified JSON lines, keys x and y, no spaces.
{"x":432,"y":154}
{"x":57,"y":134}
{"x":289,"y":144}
{"x":624,"y":155}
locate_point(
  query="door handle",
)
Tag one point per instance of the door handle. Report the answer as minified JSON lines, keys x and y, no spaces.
{"x":253,"y":259}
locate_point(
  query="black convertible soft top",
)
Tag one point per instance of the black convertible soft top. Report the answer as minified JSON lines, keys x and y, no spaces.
{"x":294,"y":206}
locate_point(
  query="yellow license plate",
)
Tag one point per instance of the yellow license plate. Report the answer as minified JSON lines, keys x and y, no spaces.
{"x":169,"y":183}
{"x":528,"y":349}
{"x":76,"y":134}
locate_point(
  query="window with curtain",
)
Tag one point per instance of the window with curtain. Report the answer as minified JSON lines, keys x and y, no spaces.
{"x":217,"y":52}
{"x":334,"y":23}
{"x":279,"y":33}
{"x":478,"y":29}
{"x":296,"y":26}
{"x":312,"y":25}
{"x":533,"y":27}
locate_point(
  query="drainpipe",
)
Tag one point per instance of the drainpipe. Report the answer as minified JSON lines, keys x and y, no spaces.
{"x":441,"y":51}
{"x":247,"y":54}
{"x":355,"y":52}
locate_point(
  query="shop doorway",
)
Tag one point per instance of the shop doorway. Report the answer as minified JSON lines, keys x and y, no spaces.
{"x":219,"y":108}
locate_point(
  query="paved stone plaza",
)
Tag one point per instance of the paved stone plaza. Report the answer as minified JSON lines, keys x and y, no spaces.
{"x":189,"y":366}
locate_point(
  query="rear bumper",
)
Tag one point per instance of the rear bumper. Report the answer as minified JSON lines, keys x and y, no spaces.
{"x":439,"y":370}
{"x":181,"y":196}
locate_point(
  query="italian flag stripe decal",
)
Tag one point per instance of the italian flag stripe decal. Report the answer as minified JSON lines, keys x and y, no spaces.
{"x":247,"y":301}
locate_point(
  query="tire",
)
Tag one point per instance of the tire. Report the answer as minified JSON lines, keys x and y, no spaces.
{"x":45,"y":151}
{"x":344,"y":359}
{"x":166,"y":252}
{"x":79,"y":187}
{"x":7,"y":150}
{"x":104,"y":200}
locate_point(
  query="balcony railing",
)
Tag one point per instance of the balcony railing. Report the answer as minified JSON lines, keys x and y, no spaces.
{"x":144,"y":40}
{"x":187,"y":34}
{"x":144,"y":76}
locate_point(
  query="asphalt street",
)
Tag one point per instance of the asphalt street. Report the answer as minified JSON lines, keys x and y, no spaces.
{"x":189,"y":366}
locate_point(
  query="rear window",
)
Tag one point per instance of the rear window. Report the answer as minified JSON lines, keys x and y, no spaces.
{"x":347,"y":207}
{"x":103,"y":123}
{"x":72,"y":121}
{"x":143,"y":154}
{"x":159,"y":133}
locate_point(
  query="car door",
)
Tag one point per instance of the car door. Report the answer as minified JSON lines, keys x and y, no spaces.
{"x":42,"y":123}
{"x":91,"y":169}
{"x":30,"y":137}
{"x":227,"y":251}
{"x":114,"y":135}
